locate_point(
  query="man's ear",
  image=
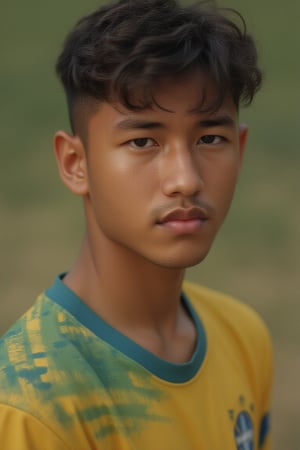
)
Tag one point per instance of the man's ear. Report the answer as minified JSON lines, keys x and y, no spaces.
{"x":243,"y":133}
{"x":71,"y":161}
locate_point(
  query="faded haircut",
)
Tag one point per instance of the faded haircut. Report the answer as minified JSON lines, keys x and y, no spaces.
{"x":128,"y":46}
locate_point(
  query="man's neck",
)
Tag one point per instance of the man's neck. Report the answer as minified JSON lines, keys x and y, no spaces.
{"x":138,"y":298}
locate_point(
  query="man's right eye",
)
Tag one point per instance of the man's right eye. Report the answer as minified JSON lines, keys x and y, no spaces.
{"x":142,"y":142}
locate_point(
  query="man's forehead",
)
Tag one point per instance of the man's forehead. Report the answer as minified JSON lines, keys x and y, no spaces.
{"x":193,"y":91}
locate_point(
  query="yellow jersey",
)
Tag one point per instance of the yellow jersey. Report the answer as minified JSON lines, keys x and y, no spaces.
{"x":69,"y":381}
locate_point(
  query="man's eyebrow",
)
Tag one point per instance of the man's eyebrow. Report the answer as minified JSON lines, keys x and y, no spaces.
{"x":135,"y":124}
{"x":221,"y":120}
{"x":140,"y":124}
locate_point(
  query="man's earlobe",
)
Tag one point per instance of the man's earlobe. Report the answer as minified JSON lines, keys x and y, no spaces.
{"x":71,"y":162}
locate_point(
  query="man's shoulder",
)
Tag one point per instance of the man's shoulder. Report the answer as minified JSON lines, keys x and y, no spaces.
{"x":236,"y":327}
{"x":43,"y":372}
{"x":206,"y":298}
{"x":24,"y":342}
{"x":42,"y":362}
{"x":225,"y":310}
{"x":42,"y":310}
{"x":33,"y":348}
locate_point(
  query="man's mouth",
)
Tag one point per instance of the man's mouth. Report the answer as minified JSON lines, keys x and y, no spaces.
{"x":184,"y":220}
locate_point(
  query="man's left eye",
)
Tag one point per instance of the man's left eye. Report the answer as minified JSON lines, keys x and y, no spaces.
{"x":142,"y":142}
{"x":211,"y":139}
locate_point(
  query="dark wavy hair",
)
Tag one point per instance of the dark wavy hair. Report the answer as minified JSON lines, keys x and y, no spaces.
{"x":129,"y":45}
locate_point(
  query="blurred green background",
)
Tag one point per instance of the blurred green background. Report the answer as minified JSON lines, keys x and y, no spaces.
{"x":256,"y":255}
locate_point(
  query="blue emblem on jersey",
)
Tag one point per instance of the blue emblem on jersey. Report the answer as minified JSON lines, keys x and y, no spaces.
{"x":243,"y":432}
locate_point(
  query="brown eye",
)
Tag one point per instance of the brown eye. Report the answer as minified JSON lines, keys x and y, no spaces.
{"x":210,"y":139}
{"x":142,"y":143}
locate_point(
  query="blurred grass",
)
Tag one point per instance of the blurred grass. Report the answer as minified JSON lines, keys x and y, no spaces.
{"x":256,"y":255}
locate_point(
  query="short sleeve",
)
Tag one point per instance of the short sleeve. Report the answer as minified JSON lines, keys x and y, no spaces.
{"x":22,"y":431}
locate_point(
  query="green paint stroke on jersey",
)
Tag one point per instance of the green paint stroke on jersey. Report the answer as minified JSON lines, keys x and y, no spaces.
{"x":51,"y":362}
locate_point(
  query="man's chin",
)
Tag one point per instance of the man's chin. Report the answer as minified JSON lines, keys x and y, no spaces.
{"x":182,"y":263}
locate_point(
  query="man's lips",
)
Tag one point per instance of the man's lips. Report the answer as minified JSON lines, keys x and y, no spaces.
{"x":184,"y":221}
{"x":184,"y":215}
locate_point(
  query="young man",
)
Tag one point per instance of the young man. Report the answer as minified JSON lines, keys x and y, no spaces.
{"x":118,"y":354}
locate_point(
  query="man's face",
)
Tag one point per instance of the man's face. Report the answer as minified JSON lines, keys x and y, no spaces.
{"x":161,"y":180}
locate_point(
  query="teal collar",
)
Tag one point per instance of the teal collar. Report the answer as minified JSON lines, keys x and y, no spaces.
{"x":175,"y":373}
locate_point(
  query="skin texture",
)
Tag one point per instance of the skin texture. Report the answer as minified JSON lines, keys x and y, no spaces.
{"x":156,"y":186}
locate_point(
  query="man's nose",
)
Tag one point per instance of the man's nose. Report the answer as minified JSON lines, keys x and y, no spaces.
{"x":181,"y":172}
